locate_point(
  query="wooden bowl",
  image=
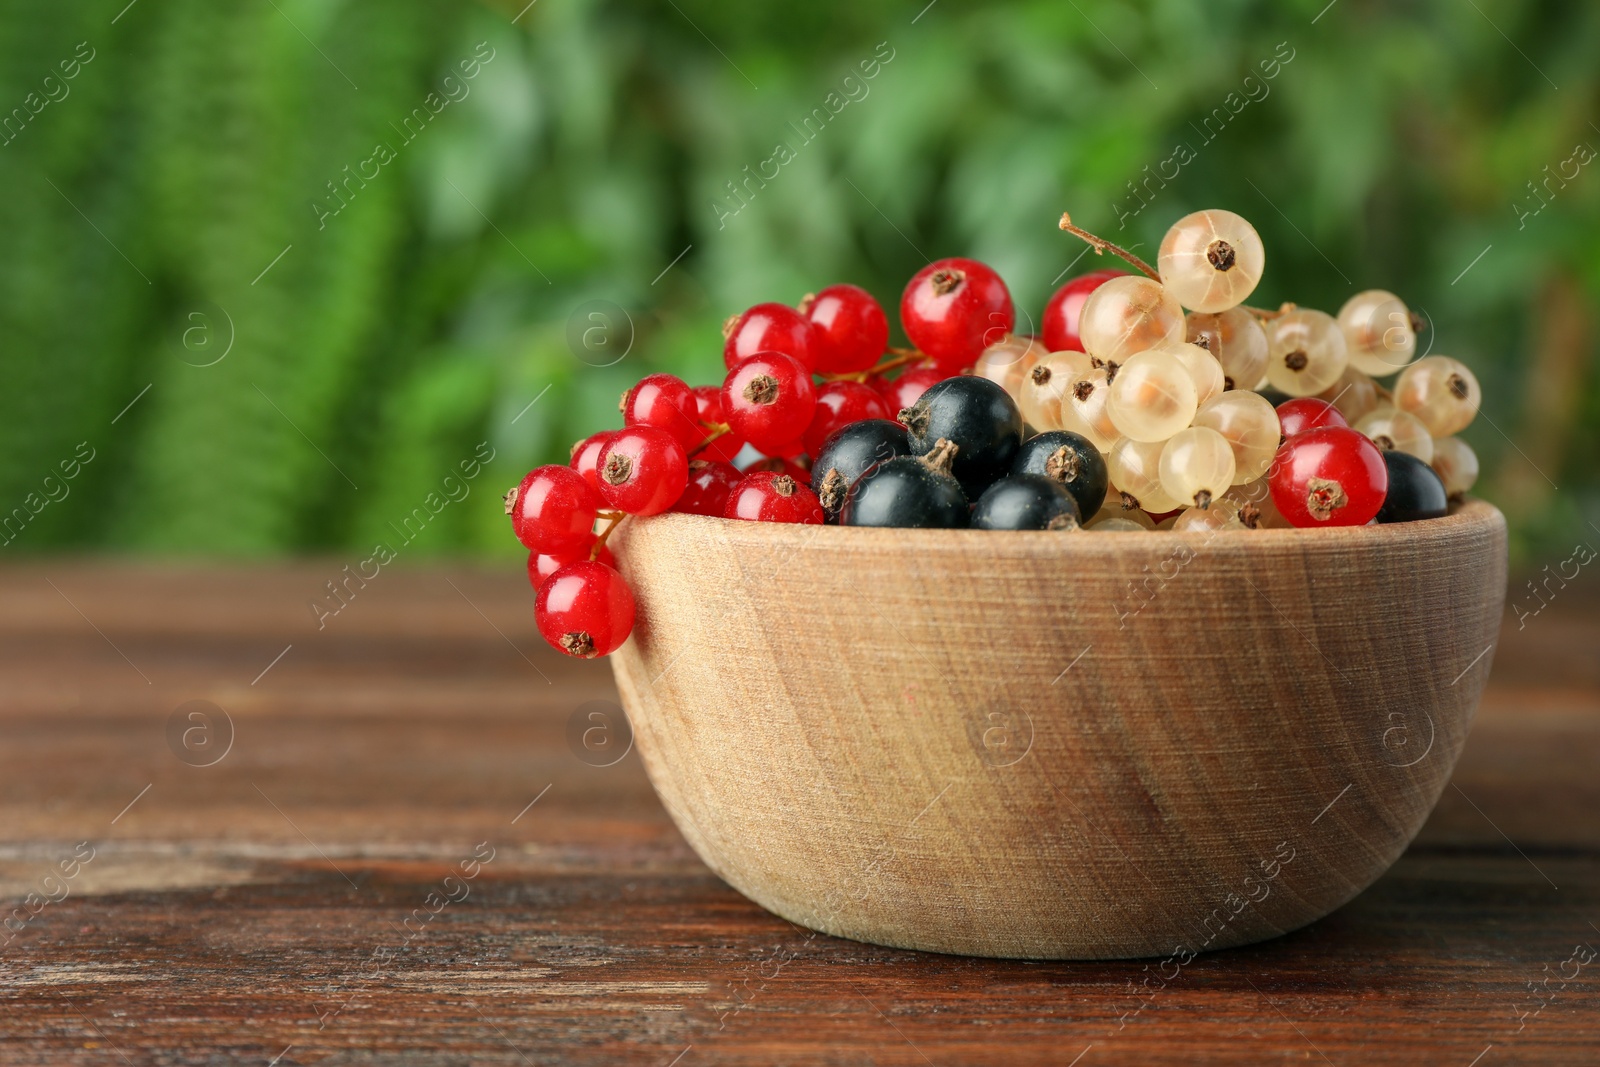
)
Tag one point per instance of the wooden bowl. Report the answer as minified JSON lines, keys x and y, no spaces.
{"x":1055,"y":746}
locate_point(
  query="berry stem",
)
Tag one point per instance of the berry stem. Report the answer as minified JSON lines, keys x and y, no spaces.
{"x":1263,"y":313}
{"x":717,"y":430}
{"x":901,"y":357}
{"x":1102,"y":246}
{"x":613,"y":520}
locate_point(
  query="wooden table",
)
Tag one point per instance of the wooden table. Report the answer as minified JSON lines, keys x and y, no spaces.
{"x":400,"y":855}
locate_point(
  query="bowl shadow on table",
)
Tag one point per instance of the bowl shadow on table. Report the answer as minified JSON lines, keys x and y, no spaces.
{"x":1414,"y":930}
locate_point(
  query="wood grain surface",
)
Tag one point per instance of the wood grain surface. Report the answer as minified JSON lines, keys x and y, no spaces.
{"x":326,"y":891}
{"x":1055,"y":746}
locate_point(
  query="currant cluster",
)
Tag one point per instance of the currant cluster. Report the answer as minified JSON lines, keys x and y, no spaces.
{"x":1181,"y":402}
{"x":1127,"y":413}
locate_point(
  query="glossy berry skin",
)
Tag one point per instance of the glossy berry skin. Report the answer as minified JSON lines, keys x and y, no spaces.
{"x":1070,"y":459}
{"x":850,"y":452}
{"x":902,"y":392}
{"x":643,"y":470}
{"x":585,"y":609}
{"x":1307,"y":413}
{"x":1456,"y":464}
{"x":586,"y":456}
{"x":763,"y":496}
{"x":1379,"y":332}
{"x":667,"y":403}
{"x":953,"y":309}
{"x":769,"y":401}
{"x":905,"y":492}
{"x":1442,"y":392}
{"x":851,"y":330}
{"x":768,"y":328}
{"x":1060,"y":324}
{"x":542,"y":566}
{"x":710,"y":482}
{"x":1332,"y":476}
{"x":840,"y":404}
{"x":708,"y":401}
{"x":975,"y":415}
{"x":553,"y":510}
{"x":1415,"y":490}
{"x":1026,"y":502}
{"x":1211,"y":260}
{"x":1306,"y":352}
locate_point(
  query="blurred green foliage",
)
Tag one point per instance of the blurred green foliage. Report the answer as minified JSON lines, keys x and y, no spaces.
{"x":171,"y":202}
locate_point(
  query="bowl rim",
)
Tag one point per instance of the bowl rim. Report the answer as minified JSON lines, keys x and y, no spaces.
{"x":1465,"y":519}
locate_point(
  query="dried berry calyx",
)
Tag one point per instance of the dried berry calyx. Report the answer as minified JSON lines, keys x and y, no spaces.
{"x":941,"y":456}
{"x":1296,"y":360}
{"x":1063,"y":464}
{"x":1324,"y":497}
{"x":1040,"y":375}
{"x":1221,"y":255}
{"x":832,"y":490}
{"x":1082,"y":391}
{"x":947,"y":281}
{"x":578,"y":643}
{"x":762,"y":389}
{"x":914,"y":419}
{"x":784,"y":485}
{"x":617,"y":469}
{"x":509,"y":499}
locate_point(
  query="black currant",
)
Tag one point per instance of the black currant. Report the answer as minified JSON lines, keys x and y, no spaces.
{"x":908,"y":492}
{"x":1415,"y":491}
{"x":851,"y":451}
{"x":975,"y":415}
{"x":1026,"y":502}
{"x":1070,"y":459}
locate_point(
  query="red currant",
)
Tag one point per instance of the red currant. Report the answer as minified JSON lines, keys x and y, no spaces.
{"x":1307,"y":413}
{"x":839,"y":404}
{"x":767,"y":497}
{"x":708,"y":398}
{"x":1060,"y":324}
{"x":905,"y":390}
{"x":586,"y":456}
{"x":768,"y":328}
{"x":953,"y":309}
{"x":667,"y":403}
{"x":1329,"y":476}
{"x":553,"y":510}
{"x":585,"y":609}
{"x":642,"y":470}
{"x":851,"y":329}
{"x":769,"y":400}
{"x":710,"y":482}
{"x":542,"y":566}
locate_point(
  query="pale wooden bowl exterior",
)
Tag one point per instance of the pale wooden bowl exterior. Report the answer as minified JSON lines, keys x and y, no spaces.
{"x":969,"y":742}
